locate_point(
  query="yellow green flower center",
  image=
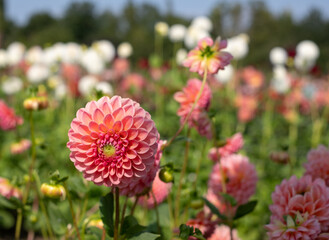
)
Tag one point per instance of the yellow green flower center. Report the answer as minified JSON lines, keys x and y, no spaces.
{"x":208,"y":52}
{"x":108,"y":150}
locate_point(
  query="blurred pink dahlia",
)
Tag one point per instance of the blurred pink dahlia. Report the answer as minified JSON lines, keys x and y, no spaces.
{"x":20,"y":147}
{"x":232,"y":145}
{"x":113,"y":141}
{"x":8,"y":119}
{"x":222,"y":232}
{"x":317,"y":164}
{"x":8,"y":190}
{"x":204,"y":223}
{"x":159,"y":189}
{"x":300,"y":209}
{"x":186,"y":98}
{"x":239,"y":176}
{"x":207,"y":56}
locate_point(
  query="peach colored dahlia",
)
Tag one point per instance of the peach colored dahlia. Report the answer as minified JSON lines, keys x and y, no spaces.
{"x":232,"y":145}
{"x":8,"y":190}
{"x":222,"y":232}
{"x":239,"y":175}
{"x":8,"y":119}
{"x":300,"y":209}
{"x":198,"y":117}
{"x":113,"y":141}
{"x":20,"y":147}
{"x":208,"y":56}
{"x":317,"y":164}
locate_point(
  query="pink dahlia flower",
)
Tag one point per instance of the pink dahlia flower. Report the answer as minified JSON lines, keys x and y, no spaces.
{"x":159,"y":191}
{"x":317,"y":164}
{"x":232,"y":145}
{"x":239,"y":176}
{"x":20,"y":147}
{"x":222,"y":232}
{"x":300,"y":209}
{"x":8,"y":119}
{"x":253,"y":77}
{"x":207,"y":56}
{"x":198,"y":117}
{"x":7,"y":190}
{"x":204,"y":223}
{"x":114,"y":142}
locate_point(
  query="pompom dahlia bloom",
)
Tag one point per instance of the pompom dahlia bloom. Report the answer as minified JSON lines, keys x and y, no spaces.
{"x":8,"y":119}
{"x":198,"y":117}
{"x":239,"y":176}
{"x":8,"y":190}
{"x":114,"y":142}
{"x":300,"y":209}
{"x":207,"y":56}
{"x":222,"y":232}
{"x":20,"y":147}
{"x":317,"y":164}
{"x":232,"y":145}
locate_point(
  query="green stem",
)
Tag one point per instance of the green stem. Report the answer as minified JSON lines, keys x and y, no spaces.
{"x":72,"y":210}
{"x":134,"y":206}
{"x":181,"y":177}
{"x":28,"y":183}
{"x":293,"y":134}
{"x":197,"y":170}
{"x":190,"y":112}
{"x":117,"y":214}
{"x":156,"y":211}
{"x":42,"y":205}
{"x":123,"y":213}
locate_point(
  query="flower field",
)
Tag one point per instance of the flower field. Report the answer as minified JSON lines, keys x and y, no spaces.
{"x":94,"y":145}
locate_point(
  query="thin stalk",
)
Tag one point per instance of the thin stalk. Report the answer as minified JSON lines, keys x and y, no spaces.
{"x":123,"y":213}
{"x":293,"y":134}
{"x":28,"y":183}
{"x":231,"y":233}
{"x":117,"y":214}
{"x":42,"y":205}
{"x":190,"y":112}
{"x":156,"y":211}
{"x":181,"y":177}
{"x":197,"y":170}
{"x":72,"y":210}
{"x":134,"y":206}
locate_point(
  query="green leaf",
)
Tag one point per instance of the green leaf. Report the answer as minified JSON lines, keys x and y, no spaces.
{"x":214,"y":210}
{"x":4,"y":202}
{"x":245,"y":209}
{"x":145,"y":236}
{"x":107,"y":210}
{"x":230,"y":199}
{"x":185,"y":231}
{"x":131,"y":227}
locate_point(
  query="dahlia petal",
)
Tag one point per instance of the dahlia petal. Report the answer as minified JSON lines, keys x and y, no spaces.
{"x":138,"y":121}
{"x":98,"y":116}
{"x":118,"y":114}
{"x":128,"y":173}
{"x":130,"y":110}
{"x":93,"y":126}
{"x":126,"y":165}
{"x":143,"y":147}
{"x":132,"y":133}
{"x":131,"y":154}
{"x":117,"y":126}
{"x":83,"y":129}
{"x":120,"y":172}
{"x":127,"y":122}
{"x":109,"y":121}
{"x":142,"y":134}
{"x":91,"y":106}
{"x":103,"y":128}
{"x":115,"y":102}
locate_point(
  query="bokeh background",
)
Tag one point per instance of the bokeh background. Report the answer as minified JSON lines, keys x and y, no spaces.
{"x":268,"y":23}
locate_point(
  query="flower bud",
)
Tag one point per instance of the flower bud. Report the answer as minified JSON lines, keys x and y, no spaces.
{"x":96,"y":223}
{"x":36,"y":103}
{"x":166,"y":176}
{"x":53,"y":191}
{"x":196,"y":203}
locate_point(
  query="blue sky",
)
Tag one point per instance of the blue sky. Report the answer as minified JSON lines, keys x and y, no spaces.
{"x":21,"y":10}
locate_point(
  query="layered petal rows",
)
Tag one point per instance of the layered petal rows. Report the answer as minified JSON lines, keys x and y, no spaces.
{"x":114,"y":142}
